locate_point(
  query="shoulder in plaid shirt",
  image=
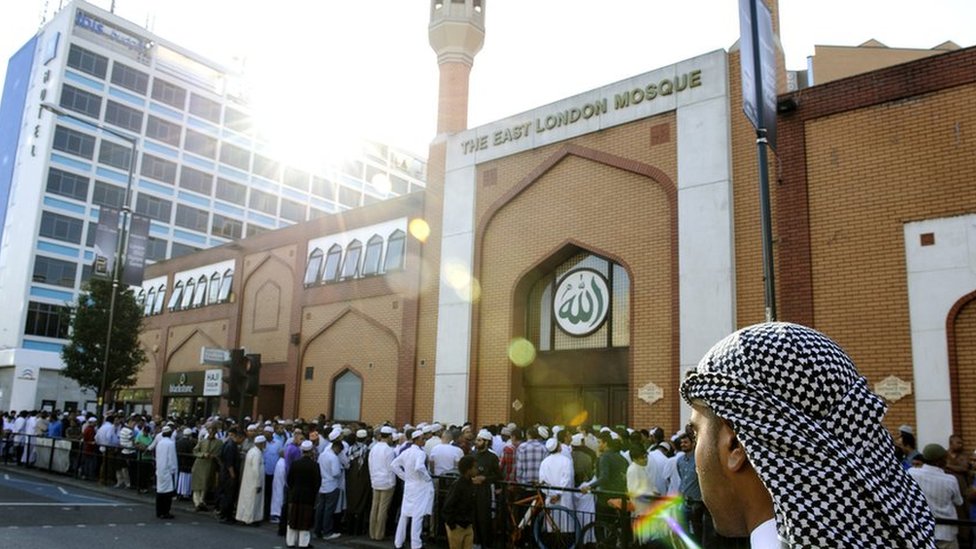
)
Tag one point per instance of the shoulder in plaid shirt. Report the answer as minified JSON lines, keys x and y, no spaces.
{"x":528,"y":458}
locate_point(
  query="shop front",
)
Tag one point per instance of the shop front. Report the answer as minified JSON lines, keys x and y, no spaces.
{"x":136,"y":400}
{"x":192,"y":394}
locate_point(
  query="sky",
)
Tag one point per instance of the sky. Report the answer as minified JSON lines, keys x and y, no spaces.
{"x":326,"y":70}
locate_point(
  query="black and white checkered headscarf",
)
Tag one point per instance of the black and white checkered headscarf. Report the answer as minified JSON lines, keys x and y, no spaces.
{"x":812,"y":431}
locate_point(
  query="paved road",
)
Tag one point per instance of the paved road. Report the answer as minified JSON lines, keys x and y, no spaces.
{"x":47,"y":512}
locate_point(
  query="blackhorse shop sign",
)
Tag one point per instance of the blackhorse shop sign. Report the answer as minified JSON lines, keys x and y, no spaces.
{"x":581,"y":302}
{"x":183,"y":384}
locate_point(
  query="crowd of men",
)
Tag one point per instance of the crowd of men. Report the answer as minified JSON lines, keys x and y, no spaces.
{"x":324,"y":479}
{"x":366,"y":480}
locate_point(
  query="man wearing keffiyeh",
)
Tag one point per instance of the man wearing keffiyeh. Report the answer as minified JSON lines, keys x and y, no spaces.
{"x":791,"y":446}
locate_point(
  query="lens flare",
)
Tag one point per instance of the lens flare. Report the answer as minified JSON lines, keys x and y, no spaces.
{"x":579,"y":419}
{"x":457,"y":276}
{"x":419,"y":229}
{"x":521,"y":352}
{"x":661,"y":522}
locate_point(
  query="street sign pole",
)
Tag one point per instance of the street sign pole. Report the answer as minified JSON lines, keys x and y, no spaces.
{"x":758,"y":63}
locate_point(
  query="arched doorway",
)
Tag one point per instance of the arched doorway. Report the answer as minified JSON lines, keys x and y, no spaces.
{"x":577,"y":316}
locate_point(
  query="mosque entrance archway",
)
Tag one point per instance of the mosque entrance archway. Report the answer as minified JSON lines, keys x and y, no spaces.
{"x":578,"y":318}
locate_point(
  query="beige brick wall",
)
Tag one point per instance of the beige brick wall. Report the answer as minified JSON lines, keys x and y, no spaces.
{"x":267,"y":303}
{"x":620,"y":212}
{"x":149,"y":340}
{"x":965,"y":334}
{"x":356,"y":336}
{"x":870,"y":171}
{"x":184,"y":343}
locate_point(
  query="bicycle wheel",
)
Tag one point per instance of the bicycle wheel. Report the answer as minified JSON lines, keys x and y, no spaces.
{"x":602,"y":536}
{"x":556,"y":527}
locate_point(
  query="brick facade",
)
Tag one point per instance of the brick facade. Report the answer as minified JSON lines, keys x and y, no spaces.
{"x":858,"y":158}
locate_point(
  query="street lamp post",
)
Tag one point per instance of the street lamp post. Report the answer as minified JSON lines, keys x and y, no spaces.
{"x":126,"y":211}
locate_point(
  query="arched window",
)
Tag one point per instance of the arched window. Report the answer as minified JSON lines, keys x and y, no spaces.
{"x":314,"y":268}
{"x":213,"y":291}
{"x":225,"y":286}
{"x":374,"y":251}
{"x":174,"y":300}
{"x":347,"y":396}
{"x":332,"y":260}
{"x":394,"y":251}
{"x":146,"y":300}
{"x":350,"y":267}
{"x":200,"y":299}
{"x":188,"y":294}
{"x":160,"y":299}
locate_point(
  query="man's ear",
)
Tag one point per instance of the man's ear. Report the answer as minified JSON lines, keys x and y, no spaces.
{"x":735,"y":455}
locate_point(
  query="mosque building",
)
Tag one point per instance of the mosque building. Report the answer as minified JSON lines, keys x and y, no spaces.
{"x":568,"y":264}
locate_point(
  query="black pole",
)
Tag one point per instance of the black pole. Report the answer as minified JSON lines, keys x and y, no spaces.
{"x":761,"y":142}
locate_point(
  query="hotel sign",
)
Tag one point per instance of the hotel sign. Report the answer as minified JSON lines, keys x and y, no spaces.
{"x":581,"y":302}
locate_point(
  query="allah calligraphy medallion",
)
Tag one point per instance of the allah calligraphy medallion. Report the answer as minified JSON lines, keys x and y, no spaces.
{"x":581,"y":302}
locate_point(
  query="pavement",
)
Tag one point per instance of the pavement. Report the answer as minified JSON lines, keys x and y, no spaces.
{"x":45,"y":510}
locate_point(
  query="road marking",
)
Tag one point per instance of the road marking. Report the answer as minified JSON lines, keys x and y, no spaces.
{"x":80,"y":525}
{"x":62,"y":490}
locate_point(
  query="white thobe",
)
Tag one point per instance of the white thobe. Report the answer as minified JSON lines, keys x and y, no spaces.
{"x":166,"y":467}
{"x":418,"y":490}
{"x":556,"y":471}
{"x":250,"y":502}
{"x":278,"y":488}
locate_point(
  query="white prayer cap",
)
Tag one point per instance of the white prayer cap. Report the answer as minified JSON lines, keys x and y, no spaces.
{"x":484,"y":434}
{"x":407,"y":426}
{"x":187,"y":432}
{"x":167,"y":429}
{"x":512,"y":426}
{"x":92,"y":420}
{"x":543,"y":431}
{"x":268,"y":429}
{"x":252,"y":427}
{"x":436,"y":427}
{"x":552,"y":444}
{"x":506,"y":432}
{"x":259,"y":439}
{"x":614,"y":435}
{"x":267,"y":422}
{"x":556,"y":429}
{"x":387,"y":430}
{"x":306,"y":445}
{"x":630,"y":431}
{"x":416,"y":433}
{"x":334,"y":435}
{"x":361,"y":433}
{"x":605,"y":429}
{"x":577,"y":439}
{"x":427,"y":429}
{"x":346,"y":431}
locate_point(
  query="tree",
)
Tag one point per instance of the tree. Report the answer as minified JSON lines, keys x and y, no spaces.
{"x":84,"y":355}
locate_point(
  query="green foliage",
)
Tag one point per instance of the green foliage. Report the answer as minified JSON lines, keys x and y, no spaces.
{"x":84,"y":355}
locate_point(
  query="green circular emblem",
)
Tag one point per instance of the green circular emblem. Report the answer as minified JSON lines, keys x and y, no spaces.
{"x":581,"y":302}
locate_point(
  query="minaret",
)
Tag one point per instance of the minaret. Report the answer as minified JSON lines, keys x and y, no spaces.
{"x":456,"y":33}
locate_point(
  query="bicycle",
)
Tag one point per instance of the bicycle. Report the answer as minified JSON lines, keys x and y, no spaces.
{"x":552,"y":526}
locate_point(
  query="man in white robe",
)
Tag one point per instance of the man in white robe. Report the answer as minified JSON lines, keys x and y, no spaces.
{"x":278,"y":488}
{"x":556,"y":471}
{"x":166,"y":471}
{"x":250,"y":501}
{"x":418,"y":491}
